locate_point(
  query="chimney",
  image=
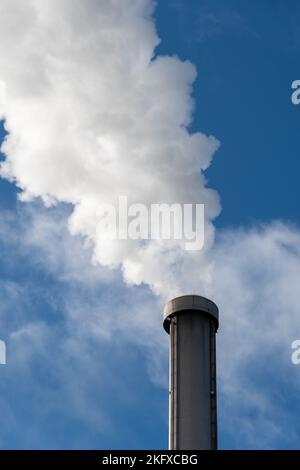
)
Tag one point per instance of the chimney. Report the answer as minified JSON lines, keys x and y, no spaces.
{"x":192,"y":323}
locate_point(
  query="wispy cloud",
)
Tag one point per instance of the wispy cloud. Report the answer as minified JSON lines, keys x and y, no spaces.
{"x":217,"y":18}
{"x":66,"y":347}
{"x":64,"y":341}
{"x":256,"y":278}
{"x":212,"y":19}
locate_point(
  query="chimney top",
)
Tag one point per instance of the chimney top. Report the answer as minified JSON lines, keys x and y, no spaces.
{"x":188,"y":303}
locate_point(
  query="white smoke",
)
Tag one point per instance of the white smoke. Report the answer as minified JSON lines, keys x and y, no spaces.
{"x":256,"y":287}
{"x":92,"y":113}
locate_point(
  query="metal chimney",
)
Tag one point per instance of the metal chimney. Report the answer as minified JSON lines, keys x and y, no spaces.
{"x":192,"y":322}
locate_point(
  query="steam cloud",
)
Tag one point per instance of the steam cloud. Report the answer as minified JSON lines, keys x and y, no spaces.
{"x":92,"y":113}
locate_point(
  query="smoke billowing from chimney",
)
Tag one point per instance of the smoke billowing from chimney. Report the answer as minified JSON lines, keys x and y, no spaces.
{"x":92,"y":113}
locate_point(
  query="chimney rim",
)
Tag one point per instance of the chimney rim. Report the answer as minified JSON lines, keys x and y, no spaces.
{"x":189,"y":303}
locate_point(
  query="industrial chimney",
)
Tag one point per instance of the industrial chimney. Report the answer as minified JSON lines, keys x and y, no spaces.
{"x":192,"y":322}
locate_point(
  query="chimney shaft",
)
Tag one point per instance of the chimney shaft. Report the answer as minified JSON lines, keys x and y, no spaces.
{"x":192,"y":323}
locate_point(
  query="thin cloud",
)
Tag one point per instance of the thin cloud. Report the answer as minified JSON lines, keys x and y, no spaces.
{"x":216,"y":19}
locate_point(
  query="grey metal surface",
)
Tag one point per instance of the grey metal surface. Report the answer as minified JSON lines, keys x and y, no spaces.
{"x":192,"y":322}
{"x":189,"y":302}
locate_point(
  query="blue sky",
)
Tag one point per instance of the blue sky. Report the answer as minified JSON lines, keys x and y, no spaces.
{"x":247,"y":56}
{"x":69,"y":383}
